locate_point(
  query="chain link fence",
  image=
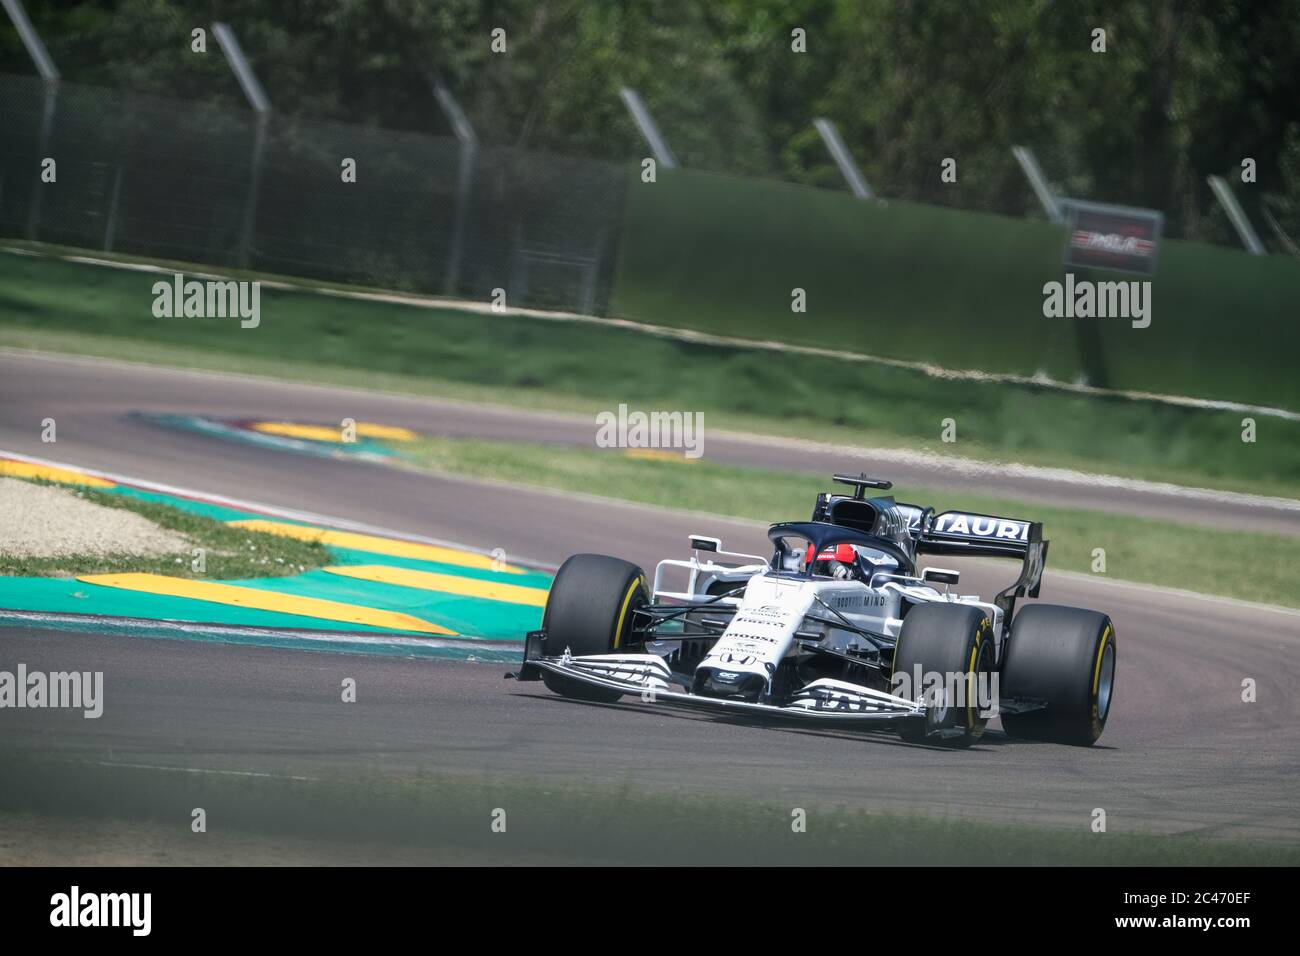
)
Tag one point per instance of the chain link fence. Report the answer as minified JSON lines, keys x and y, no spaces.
{"x":170,"y":179}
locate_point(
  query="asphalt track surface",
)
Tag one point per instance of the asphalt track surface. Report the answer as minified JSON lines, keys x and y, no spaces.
{"x":93,"y":396}
{"x":1182,"y":752}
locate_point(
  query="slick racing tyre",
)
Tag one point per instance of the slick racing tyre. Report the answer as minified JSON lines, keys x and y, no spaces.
{"x":1063,"y":657}
{"x":589,"y":611}
{"x":950,"y":647}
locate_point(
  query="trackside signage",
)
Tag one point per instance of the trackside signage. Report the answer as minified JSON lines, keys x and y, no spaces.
{"x":1119,"y":238}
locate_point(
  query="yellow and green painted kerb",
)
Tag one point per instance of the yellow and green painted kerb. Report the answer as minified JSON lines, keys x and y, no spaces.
{"x":373,"y":585}
{"x":358,"y":440}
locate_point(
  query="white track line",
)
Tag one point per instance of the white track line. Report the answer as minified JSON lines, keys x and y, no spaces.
{"x":973,"y":467}
{"x":1039,"y":380}
{"x":706,"y":519}
{"x":346,"y":525}
{"x":963,"y":466}
{"x":1080,"y":577}
{"x":168,"y":627}
{"x":224,"y":773}
{"x":290,"y":514}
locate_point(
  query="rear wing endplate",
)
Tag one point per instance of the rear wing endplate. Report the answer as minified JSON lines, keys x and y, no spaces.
{"x":963,"y":533}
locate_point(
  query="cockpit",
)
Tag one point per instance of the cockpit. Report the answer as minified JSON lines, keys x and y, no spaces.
{"x":821,"y":549}
{"x":850,"y":562}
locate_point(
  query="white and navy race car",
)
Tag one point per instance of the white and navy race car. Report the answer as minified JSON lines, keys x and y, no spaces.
{"x":838,"y":625}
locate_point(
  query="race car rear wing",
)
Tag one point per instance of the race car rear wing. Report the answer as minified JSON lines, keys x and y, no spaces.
{"x":962,"y":533}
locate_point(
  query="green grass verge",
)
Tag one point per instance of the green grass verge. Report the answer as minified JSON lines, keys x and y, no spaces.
{"x":1251,"y":567}
{"x":230,"y":553}
{"x":598,"y":823}
{"x":962,"y":289}
{"x":51,"y":304}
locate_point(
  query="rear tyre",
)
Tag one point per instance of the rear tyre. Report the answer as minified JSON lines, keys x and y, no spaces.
{"x":955,"y":642}
{"x":1065,"y":657}
{"x":589,"y":611}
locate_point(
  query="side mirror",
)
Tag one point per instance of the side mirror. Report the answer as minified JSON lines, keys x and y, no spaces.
{"x":940,"y":575}
{"x":701,"y":543}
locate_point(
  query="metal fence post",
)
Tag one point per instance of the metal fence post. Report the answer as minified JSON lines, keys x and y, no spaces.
{"x":31,"y":40}
{"x":460,"y":126}
{"x":50,"y":77}
{"x":843,"y":159}
{"x":51,"y":99}
{"x":649,"y":131}
{"x":256,"y":97}
{"x":1029,"y":165}
{"x":1236,"y":215}
{"x":1286,"y":241}
{"x":114,"y":199}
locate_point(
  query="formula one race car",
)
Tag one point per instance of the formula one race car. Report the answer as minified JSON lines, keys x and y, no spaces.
{"x":838,"y":626}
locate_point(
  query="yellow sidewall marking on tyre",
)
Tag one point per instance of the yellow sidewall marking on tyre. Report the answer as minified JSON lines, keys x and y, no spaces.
{"x":1096,"y":671}
{"x":445,"y":583}
{"x":972,"y":688}
{"x":622,"y":614}
{"x":377,"y":545}
{"x":261,"y":600}
{"x":23,"y":469}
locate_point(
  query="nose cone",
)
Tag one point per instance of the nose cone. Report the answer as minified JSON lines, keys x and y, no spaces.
{"x":729,"y":685}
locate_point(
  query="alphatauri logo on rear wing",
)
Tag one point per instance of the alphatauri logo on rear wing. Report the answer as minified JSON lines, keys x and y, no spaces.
{"x":981,"y":527}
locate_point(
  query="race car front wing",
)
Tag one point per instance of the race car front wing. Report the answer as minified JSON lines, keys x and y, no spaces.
{"x":649,"y":678}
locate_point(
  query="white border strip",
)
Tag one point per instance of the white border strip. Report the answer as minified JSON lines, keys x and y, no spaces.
{"x":272,"y":638}
{"x":959,"y":465}
{"x":1230,"y":602}
{"x":707,"y":517}
{"x":1038,"y":380}
{"x":974,"y":467}
{"x":344,"y":524}
{"x":290,"y":514}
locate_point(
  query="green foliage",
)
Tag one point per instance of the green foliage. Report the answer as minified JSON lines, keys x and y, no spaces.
{"x":581,"y":368}
{"x":1185,"y":88}
{"x":960,"y":289}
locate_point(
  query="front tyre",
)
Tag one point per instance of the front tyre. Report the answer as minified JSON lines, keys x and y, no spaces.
{"x":1063,"y":657}
{"x":589,"y":611}
{"x":945,"y":654}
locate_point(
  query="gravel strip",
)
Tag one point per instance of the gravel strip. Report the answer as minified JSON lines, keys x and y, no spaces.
{"x":40,"y":521}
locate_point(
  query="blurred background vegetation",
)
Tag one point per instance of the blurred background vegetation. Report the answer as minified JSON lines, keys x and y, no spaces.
{"x":1186,"y":87}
